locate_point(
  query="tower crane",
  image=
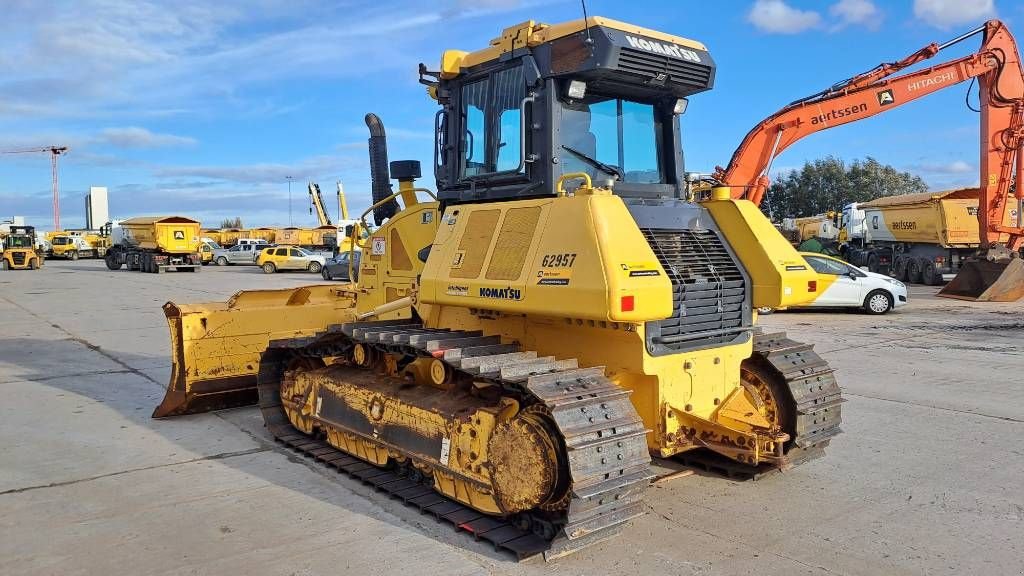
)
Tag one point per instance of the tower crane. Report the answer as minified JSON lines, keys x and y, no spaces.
{"x":54,"y":152}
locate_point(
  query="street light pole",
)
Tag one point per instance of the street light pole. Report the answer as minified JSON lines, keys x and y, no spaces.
{"x":290,"y":221}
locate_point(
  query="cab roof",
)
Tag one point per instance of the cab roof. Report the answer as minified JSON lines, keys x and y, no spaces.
{"x":531,"y":33}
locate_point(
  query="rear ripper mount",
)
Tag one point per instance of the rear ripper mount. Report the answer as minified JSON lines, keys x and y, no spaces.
{"x":603,"y":438}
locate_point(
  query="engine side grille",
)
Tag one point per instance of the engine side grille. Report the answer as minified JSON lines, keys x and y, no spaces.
{"x":709,"y":291}
{"x":649,"y":66}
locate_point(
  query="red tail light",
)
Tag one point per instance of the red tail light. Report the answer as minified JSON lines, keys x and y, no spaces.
{"x":627,"y":303}
{"x":812,"y":285}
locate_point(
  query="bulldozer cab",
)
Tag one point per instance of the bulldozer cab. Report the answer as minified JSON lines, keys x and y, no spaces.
{"x":545,"y":102}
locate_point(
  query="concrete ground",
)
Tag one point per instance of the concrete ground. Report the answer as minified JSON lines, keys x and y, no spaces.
{"x":926,"y":479}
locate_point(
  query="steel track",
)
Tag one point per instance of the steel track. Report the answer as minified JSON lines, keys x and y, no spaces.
{"x":604,"y":436}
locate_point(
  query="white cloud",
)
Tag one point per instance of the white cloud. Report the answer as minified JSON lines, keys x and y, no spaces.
{"x":136,"y":137}
{"x":862,"y":12}
{"x":952,"y":167}
{"x":777,"y":17}
{"x":948,"y":13}
{"x":110,"y":59}
{"x":314,"y":168}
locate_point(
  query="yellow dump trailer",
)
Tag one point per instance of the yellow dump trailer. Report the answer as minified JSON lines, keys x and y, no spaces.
{"x":215,"y":234}
{"x":156,"y":244}
{"x":268,"y":234}
{"x":919,"y":238}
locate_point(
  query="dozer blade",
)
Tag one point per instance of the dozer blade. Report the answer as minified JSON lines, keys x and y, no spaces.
{"x":980,"y":280}
{"x":216,"y":346}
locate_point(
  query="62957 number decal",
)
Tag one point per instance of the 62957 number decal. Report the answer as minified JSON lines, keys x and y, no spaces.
{"x":558,"y":260}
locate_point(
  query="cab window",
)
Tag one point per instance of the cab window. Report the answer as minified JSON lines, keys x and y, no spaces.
{"x":827,"y":266}
{"x":235,"y":249}
{"x":294,"y":253}
{"x":491,"y":122}
{"x":281,"y":252}
{"x":620,"y":133}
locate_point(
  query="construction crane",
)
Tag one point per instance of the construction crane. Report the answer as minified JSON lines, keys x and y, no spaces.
{"x":54,"y":151}
{"x":997,"y":272}
{"x":317,"y":201}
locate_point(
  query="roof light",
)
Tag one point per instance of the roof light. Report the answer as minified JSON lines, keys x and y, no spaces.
{"x":680,"y":106}
{"x":577,"y":89}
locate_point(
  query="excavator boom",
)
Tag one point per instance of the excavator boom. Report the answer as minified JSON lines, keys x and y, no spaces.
{"x":997,"y":68}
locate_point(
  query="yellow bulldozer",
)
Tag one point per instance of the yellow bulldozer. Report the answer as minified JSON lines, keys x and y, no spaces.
{"x":516,"y":347}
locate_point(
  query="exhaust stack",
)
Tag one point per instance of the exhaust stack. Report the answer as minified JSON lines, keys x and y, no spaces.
{"x":380,"y":178}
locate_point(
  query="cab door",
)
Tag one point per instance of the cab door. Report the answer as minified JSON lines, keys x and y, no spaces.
{"x":843,"y":286}
{"x":296,"y":260}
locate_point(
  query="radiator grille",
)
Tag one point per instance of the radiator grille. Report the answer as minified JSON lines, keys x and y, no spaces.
{"x":18,"y":258}
{"x":648,"y":65}
{"x":708,"y":290}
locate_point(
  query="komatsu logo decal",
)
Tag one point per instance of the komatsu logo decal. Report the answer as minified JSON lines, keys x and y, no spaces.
{"x":502,"y":293}
{"x":663,"y":49}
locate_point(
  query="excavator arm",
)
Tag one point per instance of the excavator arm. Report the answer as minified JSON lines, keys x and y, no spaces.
{"x":997,"y":68}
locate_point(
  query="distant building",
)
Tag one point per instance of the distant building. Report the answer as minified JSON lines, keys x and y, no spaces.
{"x":5,"y":224}
{"x":97,"y":212}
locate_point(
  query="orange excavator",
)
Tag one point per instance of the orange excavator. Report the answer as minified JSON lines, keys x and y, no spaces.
{"x":996,"y":273}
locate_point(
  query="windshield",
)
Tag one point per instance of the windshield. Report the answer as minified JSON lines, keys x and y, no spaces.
{"x":213,"y":245}
{"x":61,"y":240}
{"x":19,"y":242}
{"x":622,"y":134}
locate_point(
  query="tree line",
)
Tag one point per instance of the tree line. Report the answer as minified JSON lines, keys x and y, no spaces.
{"x":829,"y":184}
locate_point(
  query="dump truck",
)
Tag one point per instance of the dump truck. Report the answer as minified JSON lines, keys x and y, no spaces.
{"x":918,"y":238}
{"x":156,"y":244}
{"x":20,"y":252}
{"x":75,"y":244}
{"x":820,"y":227}
{"x":520,"y":343}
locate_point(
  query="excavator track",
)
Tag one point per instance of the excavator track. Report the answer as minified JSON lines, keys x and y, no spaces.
{"x":816,"y":399}
{"x":604,"y":437}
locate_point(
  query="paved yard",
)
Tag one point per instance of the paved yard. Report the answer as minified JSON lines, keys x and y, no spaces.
{"x":926,"y":479}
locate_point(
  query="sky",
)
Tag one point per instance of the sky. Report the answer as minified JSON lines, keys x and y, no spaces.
{"x":204,"y":108}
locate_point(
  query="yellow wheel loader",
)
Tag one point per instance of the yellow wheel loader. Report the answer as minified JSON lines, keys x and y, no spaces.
{"x":19,"y":250}
{"x":516,"y":348}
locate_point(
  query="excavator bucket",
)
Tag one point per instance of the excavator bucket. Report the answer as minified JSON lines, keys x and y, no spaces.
{"x":980,"y":280}
{"x":216,"y":346}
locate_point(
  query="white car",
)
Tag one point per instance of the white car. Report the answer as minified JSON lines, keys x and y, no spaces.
{"x":841,"y":285}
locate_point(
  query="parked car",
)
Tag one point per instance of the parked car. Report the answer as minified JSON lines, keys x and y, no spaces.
{"x":337,"y":268}
{"x":841,"y":285}
{"x":289,"y":258}
{"x":242,"y":253}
